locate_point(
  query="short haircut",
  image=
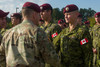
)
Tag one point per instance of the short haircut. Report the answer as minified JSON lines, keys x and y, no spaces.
{"x":26,"y":12}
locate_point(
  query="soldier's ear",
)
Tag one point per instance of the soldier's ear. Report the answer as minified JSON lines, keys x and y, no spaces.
{"x":49,"y":11}
{"x":33,"y":14}
{"x":78,"y":13}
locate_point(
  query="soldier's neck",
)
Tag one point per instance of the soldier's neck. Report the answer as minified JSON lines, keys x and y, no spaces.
{"x":98,"y":23}
{"x":72,"y":26}
{"x":47,"y":21}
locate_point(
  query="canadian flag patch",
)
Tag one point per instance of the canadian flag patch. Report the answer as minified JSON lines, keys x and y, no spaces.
{"x":54,"y":35}
{"x":84,"y":41}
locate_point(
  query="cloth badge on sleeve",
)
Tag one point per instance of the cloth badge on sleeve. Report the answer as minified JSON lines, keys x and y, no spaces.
{"x":84,"y":41}
{"x":54,"y":35}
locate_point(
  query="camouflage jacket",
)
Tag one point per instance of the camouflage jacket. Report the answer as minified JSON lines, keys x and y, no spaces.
{"x":2,"y":31}
{"x":52,"y":30}
{"x":74,"y":47}
{"x":95,"y":33}
{"x":26,"y":45}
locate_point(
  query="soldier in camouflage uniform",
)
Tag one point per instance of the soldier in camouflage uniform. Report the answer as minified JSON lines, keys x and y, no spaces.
{"x":3,"y":23}
{"x":52,"y":29}
{"x":26,"y":45}
{"x":74,"y":43}
{"x":2,"y":30}
{"x":95,"y":33}
{"x":79,"y":19}
{"x":87,"y":24}
{"x":16,"y":18}
{"x":62,"y":24}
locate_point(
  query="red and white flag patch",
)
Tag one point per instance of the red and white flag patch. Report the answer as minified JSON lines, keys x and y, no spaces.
{"x":54,"y":35}
{"x":84,"y":41}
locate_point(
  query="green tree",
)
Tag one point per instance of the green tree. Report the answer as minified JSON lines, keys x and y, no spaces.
{"x":57,"y":14}
{"x":87,"y":13}
{"x":9,"y":24}
{"x":92,"y":21}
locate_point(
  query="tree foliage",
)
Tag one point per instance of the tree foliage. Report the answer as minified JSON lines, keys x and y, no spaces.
{"x":86,"y":13}
{"x":57,"y":14}
{"x":92,"y":21}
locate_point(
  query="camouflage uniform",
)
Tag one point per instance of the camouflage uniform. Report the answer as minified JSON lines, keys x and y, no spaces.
{"x":95,"y":33}
{"x":26,"y":45}
{"x":2,"y":31}
{"x":72,"y":54}
{"x":50,"y":29}
{"x":2,"y":63}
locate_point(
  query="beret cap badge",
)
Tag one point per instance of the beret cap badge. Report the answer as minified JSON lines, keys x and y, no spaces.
{"x":66,"y":8}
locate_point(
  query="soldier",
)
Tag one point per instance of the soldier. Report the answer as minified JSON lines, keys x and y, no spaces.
{"x":3,"y":22}
{"x":79,"y":19}
{"x":61,"y":23}
{"x":41,"y":22}
{"x":26,"y":45}
{"x":3,"y":25}
{"x":87,"y":23}
{"x":16,"y":18}
{"x":95,"y":33}
{"x":74,"y":43}
{"x":51,"y":28}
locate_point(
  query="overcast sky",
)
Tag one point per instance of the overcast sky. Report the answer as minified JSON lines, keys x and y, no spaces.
{"x":10,"y":5}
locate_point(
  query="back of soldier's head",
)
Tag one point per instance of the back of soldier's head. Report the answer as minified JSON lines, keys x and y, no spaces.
{"x":28,"y":8}
{"x":26,"y":12}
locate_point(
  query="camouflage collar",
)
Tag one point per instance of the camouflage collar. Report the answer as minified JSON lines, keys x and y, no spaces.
{"x":50,"y":23}
{"x":77,"y":26}
{"x":27,"y":21}
{"x":96,"y":26}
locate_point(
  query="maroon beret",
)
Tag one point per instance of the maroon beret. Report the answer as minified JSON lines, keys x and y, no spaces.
{"x":15,"y":14}
{"x":45,"y":7}
{"x":41,"y":19}
{"x":97,"y":14}
{"x":80,"y":15}
{"x":31,"y":5}
{"x":87,"y":22}
{"x":70,"y":8}
{"x":61,"y":21}
{"x":3,"y":14}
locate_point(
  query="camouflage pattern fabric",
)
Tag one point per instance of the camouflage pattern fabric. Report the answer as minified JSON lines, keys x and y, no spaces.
{"x":50,"y":29}
{"x":2,"y":64}
{"x":2,"y":31}
{"x":72,"y":53}
{"x":95,"y":33}
{"x":26,"y":45}
{"x":2,"y":59}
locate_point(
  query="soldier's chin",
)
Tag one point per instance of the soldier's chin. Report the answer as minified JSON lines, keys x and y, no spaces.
{"x":12,"y":23}
{"x":67,"y":21}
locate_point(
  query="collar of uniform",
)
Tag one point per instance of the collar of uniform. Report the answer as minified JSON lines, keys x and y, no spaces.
{"x":70,"y":32}
{"x":50,"y":23}
{"x":27,"y":21}
{"x":77,"y":26}
{"x":96,"y":26}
